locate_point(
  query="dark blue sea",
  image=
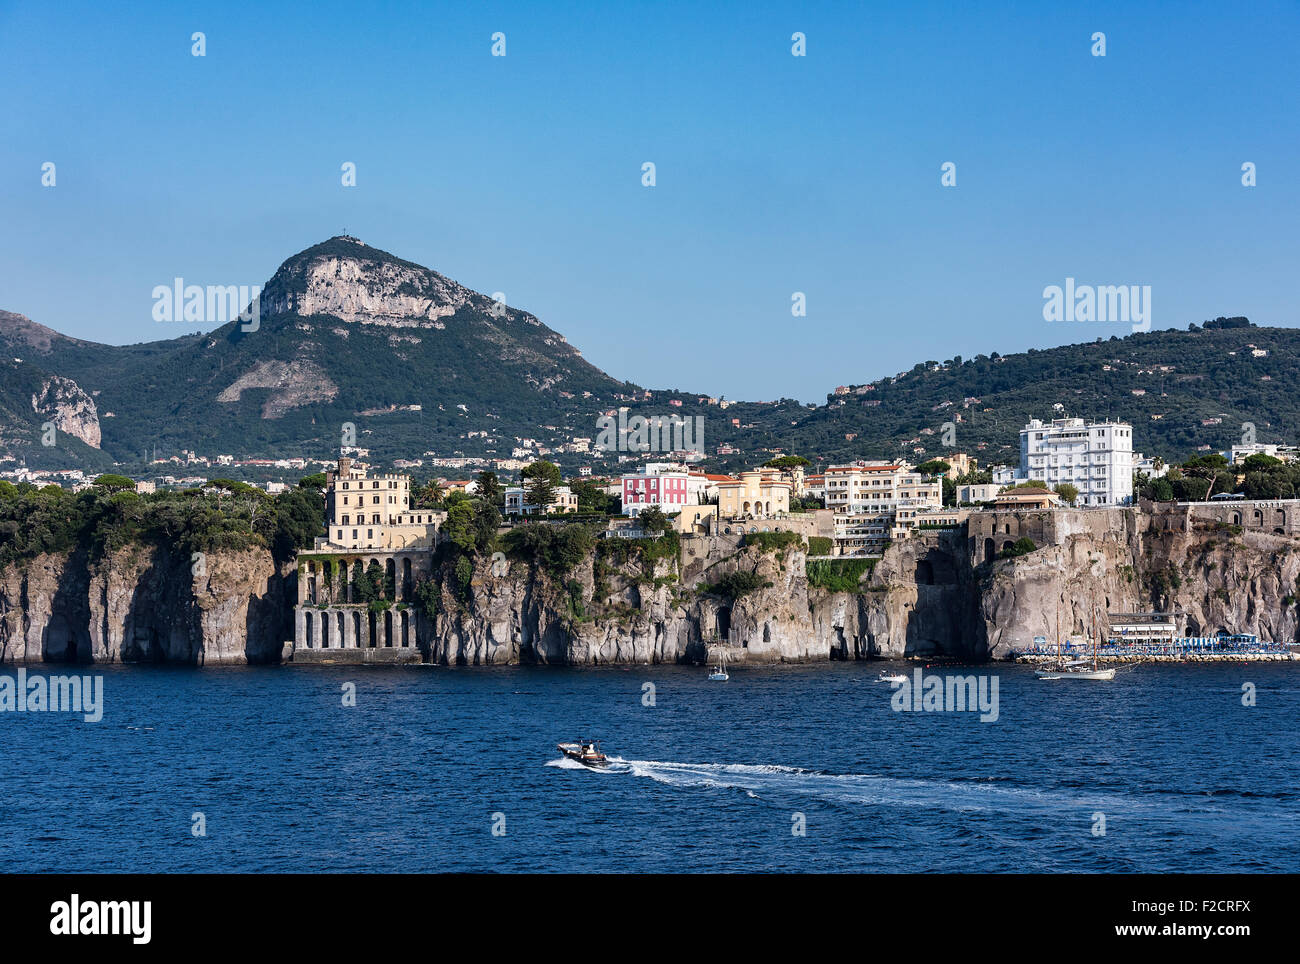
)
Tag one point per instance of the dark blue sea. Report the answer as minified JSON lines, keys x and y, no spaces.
{"x":712,"y":777}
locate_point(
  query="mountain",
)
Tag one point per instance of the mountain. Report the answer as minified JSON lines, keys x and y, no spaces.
{"x":347,"y":334}
{"x":416,"y":363}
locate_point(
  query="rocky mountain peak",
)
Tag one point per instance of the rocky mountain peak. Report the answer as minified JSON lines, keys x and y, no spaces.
{"x":347,"y":279}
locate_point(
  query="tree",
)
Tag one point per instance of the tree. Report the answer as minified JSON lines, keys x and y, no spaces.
{"x":1206,"y":467}
{"x":489,"y":488}
{"x":784,"y":462}
{"x":934,"y":467}
{"x":540,"y":481}
{"x":653,"y":520}
{"x":1067,"y":492}
{"x":114,"y":482}
{"x":429,"y":495}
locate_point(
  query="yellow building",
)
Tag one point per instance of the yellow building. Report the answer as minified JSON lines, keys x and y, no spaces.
{"x":756,"y":494}
{"x":373,"y":512}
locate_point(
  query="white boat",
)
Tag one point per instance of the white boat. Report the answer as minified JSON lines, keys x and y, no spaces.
{"x":720,"y":671}
{"x":1048,"y":674}
{"x":1075,"y":668}
{"x":887,"y":677}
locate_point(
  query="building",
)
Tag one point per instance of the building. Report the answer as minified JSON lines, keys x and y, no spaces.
{"x":1153,"y":467}
{"x":661,"y":484}
{"x":563,"y":499}
{"x":1094,"y":457}
{"x":972,"y":493}
{"x":1029,"y":497}
{"x":374,"y":512}
{"x":757,"y":494}
{"x":1143,"y":627}
{"x":875,"y":502}
{"x":702,"y":487}
{"x":959,"y":464}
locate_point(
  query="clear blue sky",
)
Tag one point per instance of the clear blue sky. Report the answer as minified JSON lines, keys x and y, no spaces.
{"x":775,"y":174}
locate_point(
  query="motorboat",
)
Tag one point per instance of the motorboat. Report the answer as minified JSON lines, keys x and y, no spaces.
{"x":586,"y":752}
{"x":888,"y":677}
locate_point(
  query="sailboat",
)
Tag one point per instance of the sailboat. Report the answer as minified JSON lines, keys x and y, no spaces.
{"x":1076,"y":668}
{"x":720,"y":671}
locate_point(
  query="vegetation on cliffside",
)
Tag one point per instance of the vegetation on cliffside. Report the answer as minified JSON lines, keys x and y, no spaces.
{"x":107,"y":517}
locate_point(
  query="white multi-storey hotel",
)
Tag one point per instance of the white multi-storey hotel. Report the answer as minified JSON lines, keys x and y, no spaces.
{"x":1095,"y":457}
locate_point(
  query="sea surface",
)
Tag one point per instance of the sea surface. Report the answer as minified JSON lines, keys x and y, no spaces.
{"x":455,"y":769}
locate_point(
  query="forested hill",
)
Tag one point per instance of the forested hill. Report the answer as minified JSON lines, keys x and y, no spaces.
{"x":1168,"y":384}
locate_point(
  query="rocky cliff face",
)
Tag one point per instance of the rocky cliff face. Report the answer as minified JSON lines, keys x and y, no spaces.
{"x":144,"y":605}
{"x":926,"y":598}
{"x":1219,"y":577}
{"x":61,"y":401}
{"x":921,"y":600}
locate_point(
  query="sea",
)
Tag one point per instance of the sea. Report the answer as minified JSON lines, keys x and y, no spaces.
{"x":790,"y":768}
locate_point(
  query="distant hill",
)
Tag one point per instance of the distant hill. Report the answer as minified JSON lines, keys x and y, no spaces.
{"x":418,"y":363}
{"x":1166,"y":383}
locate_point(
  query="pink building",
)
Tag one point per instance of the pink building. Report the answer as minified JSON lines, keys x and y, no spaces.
{"x":660,"y":484}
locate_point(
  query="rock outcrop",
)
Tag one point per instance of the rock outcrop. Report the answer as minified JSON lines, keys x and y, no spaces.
{"x":61,"y":401}
{"x":144,"y":604}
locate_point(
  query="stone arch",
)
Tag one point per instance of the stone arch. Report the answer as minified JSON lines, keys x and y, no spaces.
{"x":370,"y":641}
{"x":311,"y":628}
{"x":1236,"y":519}
{"x":406,"y":578}
{"x":390,"y":574}
{"x":1007,"y":546}
{"x":1258,"y":518}
{"x":989,"y":550}
{"x":324,"y":630}
{"x":343,"y":632}
{"x":356,"y":630}
{"x":406,"y":629}
{"x":388,"y":628}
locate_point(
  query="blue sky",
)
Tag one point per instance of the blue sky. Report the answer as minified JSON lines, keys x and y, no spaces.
{"x":775,"y":174}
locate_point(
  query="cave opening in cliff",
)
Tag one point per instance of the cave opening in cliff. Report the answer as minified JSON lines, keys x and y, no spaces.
{"x":724,"y":622}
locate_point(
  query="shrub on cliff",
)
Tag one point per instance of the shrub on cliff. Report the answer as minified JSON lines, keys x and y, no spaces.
{"x":1021,"y":547}
{"x":838,"y":575}
{"x":100,"y":521}
{"x":557,"y":550}
{"x":772,"y":541}
{"x":737,"y":585}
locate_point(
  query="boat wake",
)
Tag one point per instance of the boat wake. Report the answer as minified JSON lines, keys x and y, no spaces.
{"x":781,"y":784}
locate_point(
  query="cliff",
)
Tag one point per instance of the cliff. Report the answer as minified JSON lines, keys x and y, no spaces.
{"x":631,"y":611}
{"x":144,"y":604}
{"x":938,"y":594}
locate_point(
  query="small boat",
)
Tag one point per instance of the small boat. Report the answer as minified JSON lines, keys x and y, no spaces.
{"x":888,"y":677}
{"x":719,"y":673}
{"x":586,"y":752}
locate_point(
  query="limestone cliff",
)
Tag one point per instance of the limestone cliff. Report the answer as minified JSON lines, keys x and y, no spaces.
{"x":934,"y":595}
{"x":61,"y":401}
{"x":631,"y":612}
{"x":144,"y":604}
{"x":1217,"y":577}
